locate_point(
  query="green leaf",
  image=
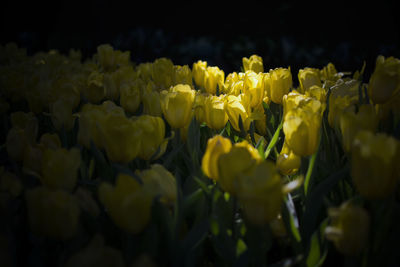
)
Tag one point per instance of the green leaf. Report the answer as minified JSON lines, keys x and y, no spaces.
{"x":291,"y":222}
{"x":317,"y":253}
{"x":274,"y":140}
{"x":310,"y":169}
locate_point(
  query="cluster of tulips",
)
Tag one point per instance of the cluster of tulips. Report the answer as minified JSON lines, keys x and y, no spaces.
{"x":115,"y":141}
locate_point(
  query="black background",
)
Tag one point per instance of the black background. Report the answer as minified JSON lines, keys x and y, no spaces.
{"x":284,"y":33}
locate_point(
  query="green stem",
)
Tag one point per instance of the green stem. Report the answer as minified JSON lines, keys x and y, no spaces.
{"x":310,"y":169}
{"x":274,"y":140}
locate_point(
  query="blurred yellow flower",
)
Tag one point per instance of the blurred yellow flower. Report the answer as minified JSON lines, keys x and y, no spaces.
{"x":152,"y":137}
{"x":127,"y":203}
{"x":254,"y":63}
{"x":177,"y":104}
{"x":351,"y":123}
{"x":151,"y":101}
{"x":216,"y":146}
{"x":385,"y":80}
{"x":130,"y":96}
{"x":163,"y":73}
{"x":94,"y":91}
{"x":53,"y":214}
{"x":61,"y":114}
{"x":260,"y":193}
{"x":288,"y":162}
{"x":241,"y":159}
{"x":374,"y":164}
{"x":121,"y":138}
{"x":60,"y":168}
{"x":182,"y":75}
{"x":159,"y":182}
{"x":349,"y":228}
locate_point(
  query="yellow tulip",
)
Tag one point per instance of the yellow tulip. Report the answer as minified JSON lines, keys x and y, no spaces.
{"x":254,"y":87}
{"x":344,"y":94}
{"x":234,"y":83}
{"x":288,"y":162}
{"x":177,"y":104}
{"x":241,"y":159}
{"x":127,"y":203}
{"x":199,"y":106}
{"x":182,"y":75}
{"x":385,"y":80}
{"x":61,"y":114}
{"x":163,"y":73}
{"x":213,"y":77}
{"x":351,"y":123}
{"x":279,"y":83}
{"x":60,"y":168}
{"x":349,"y":229}
{"x":53,"y":214}
{"x":317,"y":92}
{"x":254,"y":63}
{"x":216,"y":146}
{"x":374,"y":164}
{"x":308,"y":77}
{"x":152,"y":137}
{"x":121,"y":138}
{"x":260,"y":193}
{"x":301,"y":127}
{"x":215,"y":115}
{"x":94,"y":90}
{"x":198,"y":70}
{"x":110,"y":59}
{"x":329,"y":73}
{"x":159,"y":182}
{"x":151,"y":101}
{"x":130,"y":96}
{"x":236,"y":106}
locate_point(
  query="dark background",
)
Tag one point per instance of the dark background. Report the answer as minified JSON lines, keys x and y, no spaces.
{"x":284,"y":33}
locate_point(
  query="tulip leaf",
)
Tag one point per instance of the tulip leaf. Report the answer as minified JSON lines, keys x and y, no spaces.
{"x":317,"y":252}
{"x":196,"y":235}
{"x":241,"y":127}
{"x":291,"y":222}
{"x":274,"y":140}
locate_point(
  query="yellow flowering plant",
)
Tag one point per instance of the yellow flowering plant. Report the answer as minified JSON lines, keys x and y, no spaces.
{"x":109,"y":161}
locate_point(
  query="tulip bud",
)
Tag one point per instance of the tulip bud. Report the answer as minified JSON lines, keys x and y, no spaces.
{"x":151,"y":101}
{"x":308,"y":77}
{"x":349,"y":229}
{"x":163,"y":73}
{"x":127,"y":203}
{"x":216,"y":146}
{"x":160,"y":182}
{"x":130,"y":96}
{"x":213,"y":77}
{"x":241,"y":159}
{"x":280,"y":82}
{"x":121,"y":138}
{"x":374,"y":164}
{"x":53,"y":214}
{"x":301,"y":127}
{"x":215,"y":115}
{"x":153,"y":133}
{"x":260,"y":193}
{"x":254,"y":87}
{"x":236,"y":106}
{"x":198,"y":70}
{"x":385,"y":80}
{"x":182,"y":75}
{"x":177,"y":104}
{"x":254,"y":63}
{"x":288,"y":162}
{"x":351,"y":123}
{"x":60,"y":168}
{"x":94,"y":91}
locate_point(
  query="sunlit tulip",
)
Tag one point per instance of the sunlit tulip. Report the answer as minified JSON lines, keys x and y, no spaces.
{"x":254,"y":63}
{"x":216,"y":146}
{"x":215,"y":115}
{"x":308,"y":77}
{"x":254,"y":87}
{"x":198,"y":71}
{"x":213,"y":77}
{"x":288,"y":162}
{"x":280,"y":82}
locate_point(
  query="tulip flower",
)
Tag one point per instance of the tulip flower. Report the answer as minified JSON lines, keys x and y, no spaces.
{"x":309,"y":77}
{"x":254,"y":87}
{"x":177,"y":104}
{"x":288,"y":162}
{"x":279,"y":82}
{"x":349,"y":229}
{"x":254,"y":63}
{"x":213,"y":77}
{"x":215,"y":115}
{"x":198,"y":70}
{"x":374,"y":164}
{"x":216,"y":146}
